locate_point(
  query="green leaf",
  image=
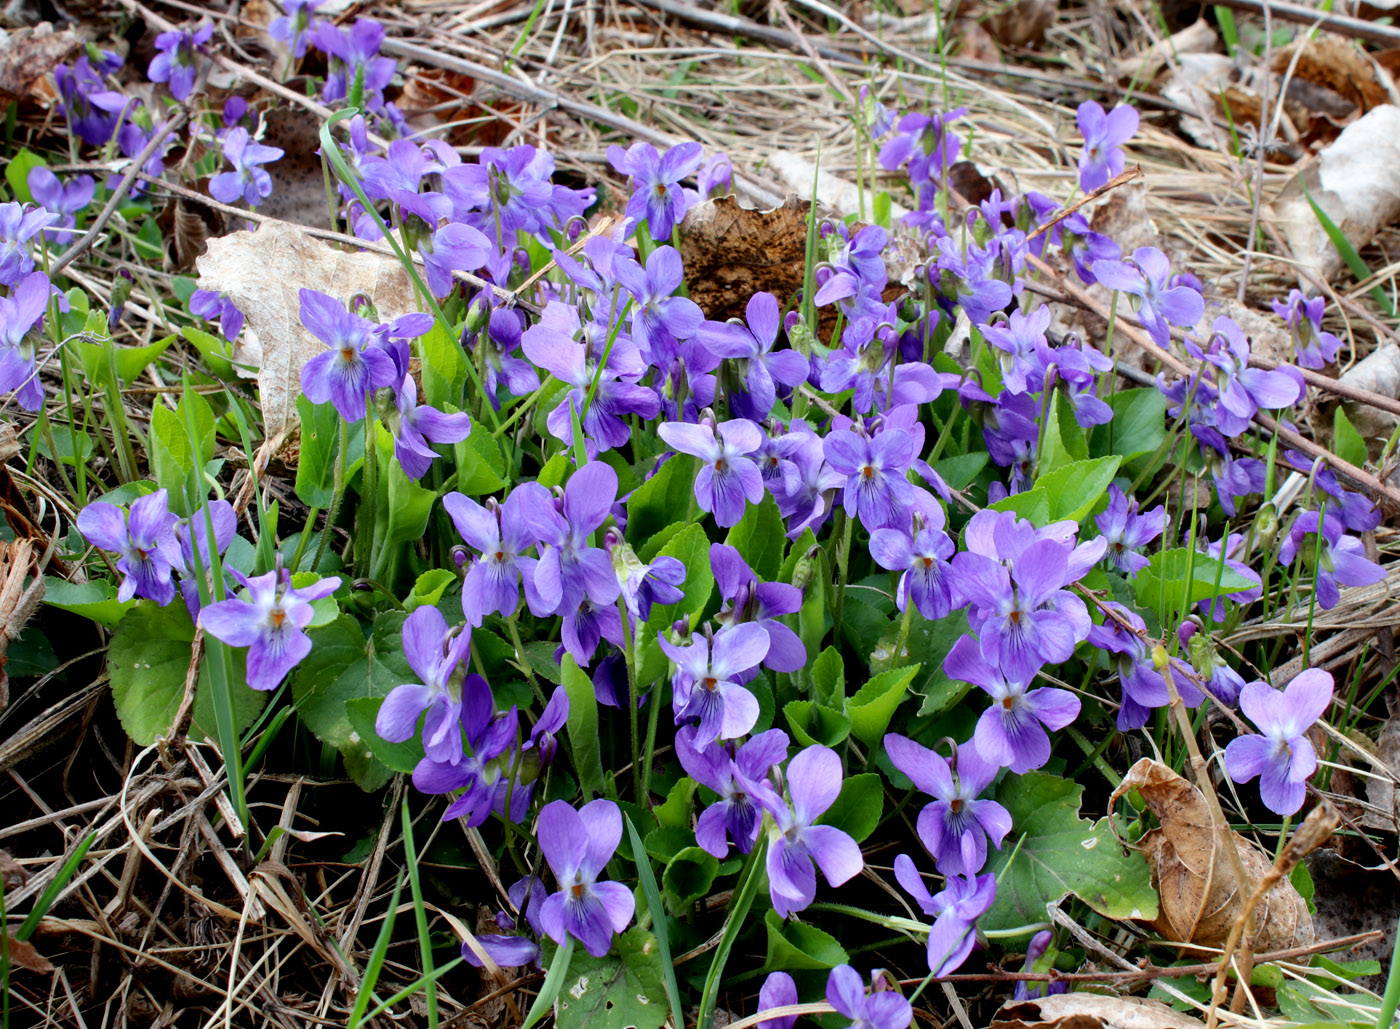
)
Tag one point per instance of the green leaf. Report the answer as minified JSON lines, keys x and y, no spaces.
{"x":213,"y":350}
{"x":798,"y":945}
{"x":859,"y":806}
{"x":813,"y":723}
{"x":871,"y":709}
{"x":1347,"y":443}
{"x":429,"y":588}
{"x":691,"y":547}
{"x":624,"y":988}
{"x":96,"y":600}
{"x":172,"y":457}
{"x":661,"y":500}
{"x":1074,"y":489}
{"x":130,"y":361}
{"x":583,"y":727}
{"x":959,"y":470}
{"x":343,"y":666}
{"x":480,"y":467}
{"x":1139,"y":423}
{"x":675,"y":812}
{"x":929,"y":643}
{"x":444,"y":368}
{"x":398,"y":757}
{"x":17,"y":173}
{"x":320,"y":440}
{"x":829,"y":678}
{"x":1064,"y":439}
{"x":688,"y":878}
{"x":1033,"y":505}
{"x":1165,"y":585}
{"x":410,"y":504}
{"x":760,"y":538}
{"x":555,"y":471}
{"x":1052,"y":852}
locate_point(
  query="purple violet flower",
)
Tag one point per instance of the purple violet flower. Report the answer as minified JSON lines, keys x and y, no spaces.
{"x":875,"y":466}
{"x":1035,"y":951}
{"x":20,"y":314}
{"x":65,"y":201}
{"x":90,"y":107}
{"x":270,"y":621}
{"x":354,"y":52}
{"x":814,"y":782}
{"x":248,"y":180}
{"x":660,"y":320}
{"x":1018,"y":342}
{"x":777,"y":991}
{"x":292,"y":27}
{"x":1281,"y":754}
{"x":882,"y":1008}
{"x":1340,"y":559}
{"x":1159,"y":305}
{"x":758,"y":365}
{"x":1144,"y":686}
{"x":577,"y":845}
{"x":1012,"y":732}
{"x":174,"y":64}
{"x":728,"y":477}
{"x":435,"y":653}
{"x":955,"y":911}
{"x":569,"y":567}
{"x":486,"y":758}
{"x":954,"y":828}
{"x":925,"y":562}
{"x":707,"y":682}
{"x":19,"y":224}
{"x":217,"y":307}
{"x":735,"y":815}
{"x":1127,"y":531}
{"x":657,"y":197}
{"x":1243,"y":390}
{"x":353,"y":367}
{"x":762,"y":603}
{"x":145,"y":539}
{"x":1303,"y":315}
{"x":644,"y":585}
{"x":1104,"y":135}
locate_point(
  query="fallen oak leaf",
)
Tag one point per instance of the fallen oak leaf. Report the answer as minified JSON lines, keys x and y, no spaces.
{"x":23,"y":954}
{"x":1194,"y":876}
{"x":1091,"y":1011}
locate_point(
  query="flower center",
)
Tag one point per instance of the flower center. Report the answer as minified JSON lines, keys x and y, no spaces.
{"x":347,"y":353}
{"x":277,"y":617}
{"x":868,"y":472}
{"x":577,"y":889}
{"x":710,"y":683}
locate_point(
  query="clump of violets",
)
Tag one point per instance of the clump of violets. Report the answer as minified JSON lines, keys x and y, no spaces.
{"x":1317,"y":539}
{"x":1280,"y":755}
{"x":270,"y":620}
{"x":657,"y":197}
{"x":174,"y":64}
{"x":248,"y":180}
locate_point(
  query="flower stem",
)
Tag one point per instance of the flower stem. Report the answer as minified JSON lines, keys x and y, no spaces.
{"x":337,"y":492}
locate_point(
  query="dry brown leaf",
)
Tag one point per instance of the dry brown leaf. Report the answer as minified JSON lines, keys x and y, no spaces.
{"x":12,"y":873}
{"x":1193,"y":873}
{"x":1091,"y":1011}
{"x":24,"y":955}
{"x":263,"y":273}
{"x":732,"y":252}
{"x":27,"y":59}
{"x":1337,"y":66}
{"x":1022,"y":23}
{"x":1356,"y":180}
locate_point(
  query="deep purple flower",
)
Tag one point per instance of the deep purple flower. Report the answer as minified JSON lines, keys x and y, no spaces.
{"x":19,"y":224}
{"x":1303,"y":315}
{"x":759,"y":367}
{"x":735,"y":815}
{"x":1104,"y":135}
{"x":416,"y":425}
{"x":923,"y":140}
{"x":1024,"y":617}
{"x":91,"y":108}
{"x":777,"y":991}
{"x":145,"y":539}
{"x":728,"y":476}
{"x":1242,"y":390}
{"x":484,"y":761}
{"x":352,"y":368}
{"x":1234,"y":477}
{"x":1144,"y":686}
{"x":132,"y":139}
{"x":569,"y":568}
{"x":809,"y":489}
{"x":1035,"y":951}
{"x":956,"y":826}
{"x":270,"y":621}
{"x":659,"y":319}
{"x":856,"y":266}
{"x":577,"y":845}
{"x":814,"y":782}
{"x":451,"y":248}
{"x":353,"y":54}
{"x":1018,"y":342}
{"x":1012,"y":732}
{"x":65,"y":201}
{"x":1281,"y":754}
{"x":217,"y":307}
{"x":21,"y":313}
{"x":761,"y":603}
{"x":248,"y":180}
{"x":174,"y":63}
{"x":1340,"y":559}
{"x":435,"y":653}
{"x":882,"y":1008}
{"x":512,"y":184}
{"x":644,"y":584}
{"x":1159,"y":305}
{"x":292,"y":27}
{"x":875,"y":466}
{"x":706,"y":685}
{"x":657,"y":197}
{"x":1127,"y":531}
{"x":924,"y":560}
{"x":955,"y":911}
{"x":192,"y":534}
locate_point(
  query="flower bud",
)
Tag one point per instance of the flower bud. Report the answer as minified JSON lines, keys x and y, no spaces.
{"x":1266,"y":524}
{"x":1160,"y":658}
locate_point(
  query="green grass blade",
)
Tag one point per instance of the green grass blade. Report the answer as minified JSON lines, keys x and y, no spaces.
{"x":553,"y":983}
{"x":1349,"y":254}
{"x":376,"y":961}
{"x":53,"y":889}
{"x":738,"y":912}
{"x":420,"y":914}
{"x":411,"y":989}
{"x":658,"y":921}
